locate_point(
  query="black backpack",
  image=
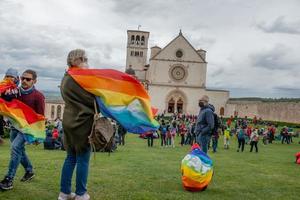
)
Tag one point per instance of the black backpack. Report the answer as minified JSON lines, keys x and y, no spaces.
{"x":217,"y":123}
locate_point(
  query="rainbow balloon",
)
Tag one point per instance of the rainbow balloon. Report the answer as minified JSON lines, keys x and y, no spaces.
{"x":24,"y":119}
{"x":119,"y":96}
{"x":196,"y":169}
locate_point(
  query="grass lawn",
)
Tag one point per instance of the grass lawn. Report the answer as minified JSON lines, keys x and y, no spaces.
{"x":138,"y":172}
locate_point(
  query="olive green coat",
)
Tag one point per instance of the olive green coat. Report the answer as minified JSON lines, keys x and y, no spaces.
{"x":78,"y":115}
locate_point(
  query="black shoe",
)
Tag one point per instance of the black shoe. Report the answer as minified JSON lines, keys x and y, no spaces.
{"x":27,"y":176}
{"x":6,"y":184}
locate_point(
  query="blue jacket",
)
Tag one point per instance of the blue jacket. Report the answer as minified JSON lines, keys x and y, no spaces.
{"x":205,"y":121}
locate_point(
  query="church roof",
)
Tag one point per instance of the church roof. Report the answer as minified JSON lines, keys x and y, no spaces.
{"x":179,"y":35}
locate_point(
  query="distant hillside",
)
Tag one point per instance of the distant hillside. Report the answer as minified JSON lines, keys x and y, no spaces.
{"x":265,"y":99}
{"x":52,"y":95}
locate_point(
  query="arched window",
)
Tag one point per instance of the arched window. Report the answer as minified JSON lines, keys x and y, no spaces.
{"x":132,"y":53}
{"x":143,"y":40}
{"x":132,"y":39}
{"x":58,"y":111}
{"x":52,"y":111}
{"x":141,"y":53}
{"x":137,"y":53}
{"x":171,"y":105}
{"x":179,"y":106}
{"x":222,"y":111}
{"x":137,"y":39}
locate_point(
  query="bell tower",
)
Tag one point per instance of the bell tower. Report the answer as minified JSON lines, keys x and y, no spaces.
{"x":137,"y":49}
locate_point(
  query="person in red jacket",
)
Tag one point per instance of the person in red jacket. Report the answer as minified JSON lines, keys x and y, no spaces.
{"x":36,"y":100}
{"x":55,"y":134}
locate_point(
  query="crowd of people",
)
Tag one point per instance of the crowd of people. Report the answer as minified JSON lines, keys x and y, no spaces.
{"x":73,"y":131}
{"x":245,"y":131}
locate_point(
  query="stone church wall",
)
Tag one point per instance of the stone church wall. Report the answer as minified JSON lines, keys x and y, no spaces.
{"x":274,"y":111}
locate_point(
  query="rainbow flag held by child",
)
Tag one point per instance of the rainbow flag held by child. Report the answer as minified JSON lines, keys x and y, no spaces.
{"x":119,"y":96}
{"x":196,"y":169}
{"x":6,"y":84}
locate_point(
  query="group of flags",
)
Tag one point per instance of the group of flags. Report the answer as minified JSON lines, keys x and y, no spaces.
{"x":119,"y":96}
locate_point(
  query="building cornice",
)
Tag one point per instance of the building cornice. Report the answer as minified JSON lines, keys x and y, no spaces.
{"x":180,"y":61}
{"x":137,"y":47}
{"x":216,"y":90}
{"x":176,"y":85}
{"x":138,"y":31}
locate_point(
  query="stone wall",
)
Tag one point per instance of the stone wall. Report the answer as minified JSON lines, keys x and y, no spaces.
{"x":274,"y":111}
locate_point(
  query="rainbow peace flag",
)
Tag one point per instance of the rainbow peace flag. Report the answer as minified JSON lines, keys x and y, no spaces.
{"x":23,"y":117}
{"x":196,"y":169}
{"x":6,"y":84}
{"x":119,"y":96}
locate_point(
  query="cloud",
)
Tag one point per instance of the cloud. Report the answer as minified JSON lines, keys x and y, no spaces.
{"x":39,"y":34}
{"x":280,"y":25}
{"x":276,"y":58}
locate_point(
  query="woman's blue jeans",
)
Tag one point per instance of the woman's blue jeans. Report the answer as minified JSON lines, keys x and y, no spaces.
{"x":81,"y":161}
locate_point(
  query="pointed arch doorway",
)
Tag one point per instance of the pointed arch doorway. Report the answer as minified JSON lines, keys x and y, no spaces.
{"x":171,"y":106}
{"x":176,"y":102}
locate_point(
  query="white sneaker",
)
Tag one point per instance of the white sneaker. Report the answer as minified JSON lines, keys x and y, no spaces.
{"x":63,"y":196}
{"x":85,"y":196}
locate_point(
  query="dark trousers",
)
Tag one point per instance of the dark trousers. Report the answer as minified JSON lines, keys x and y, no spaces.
{"x":163,"y":139}
{"x":182,"y":139}
{"x":242,"y":144}
{"x":214,"y":143}
{"x":285,"y":138}
{"x":1,"y":126}
{"x":122,"y":139}
{"x":253,"y":143}
{"x":188,"y":139}
{"x":150,"y":141}
{"x":202,"y":140}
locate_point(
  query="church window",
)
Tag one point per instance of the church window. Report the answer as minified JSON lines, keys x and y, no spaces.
{"x":136,"y":53}
{"x":179,"y":53}
{"x":52,"y":111}
{"x":171,"y":106}
{"x":141,"y":53}
{"x":132,"y":39}
{"x":143,"y":40}
{"x":137,"y":39}
{"x":58,"y":111}
{"x":222,"y":111}
{"x":179,"y":106}
{"x":178,"y":73}
{"x":132,"y":53}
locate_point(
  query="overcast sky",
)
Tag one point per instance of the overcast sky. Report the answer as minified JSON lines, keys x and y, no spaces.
{"x":253,"y":47}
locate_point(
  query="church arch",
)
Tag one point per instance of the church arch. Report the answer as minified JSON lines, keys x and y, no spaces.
{"x":222,"y":110}
{"x":177,"y":100}
{"x":137,"y":38}
{"x":58,"y":112}
{"x":52,"y":111}
{"x":171,"y":106}
{"x":143,"y":40}
{"x":132,"y":39}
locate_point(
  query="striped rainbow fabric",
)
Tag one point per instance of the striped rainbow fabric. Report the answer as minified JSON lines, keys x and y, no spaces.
{"x":196,"y":169}
{"x":22,"y":116}
{"x":6,"y":84}
{"x":119,"y":96}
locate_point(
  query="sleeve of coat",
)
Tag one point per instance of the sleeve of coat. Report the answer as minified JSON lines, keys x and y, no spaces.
{"x":209,"y":117}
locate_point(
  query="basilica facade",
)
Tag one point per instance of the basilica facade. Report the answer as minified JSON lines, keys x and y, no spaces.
{"x":175,"y":75}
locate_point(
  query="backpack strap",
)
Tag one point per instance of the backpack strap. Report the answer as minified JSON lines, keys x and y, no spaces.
{"x":96,"y":107}
{"x":96,"y":116}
